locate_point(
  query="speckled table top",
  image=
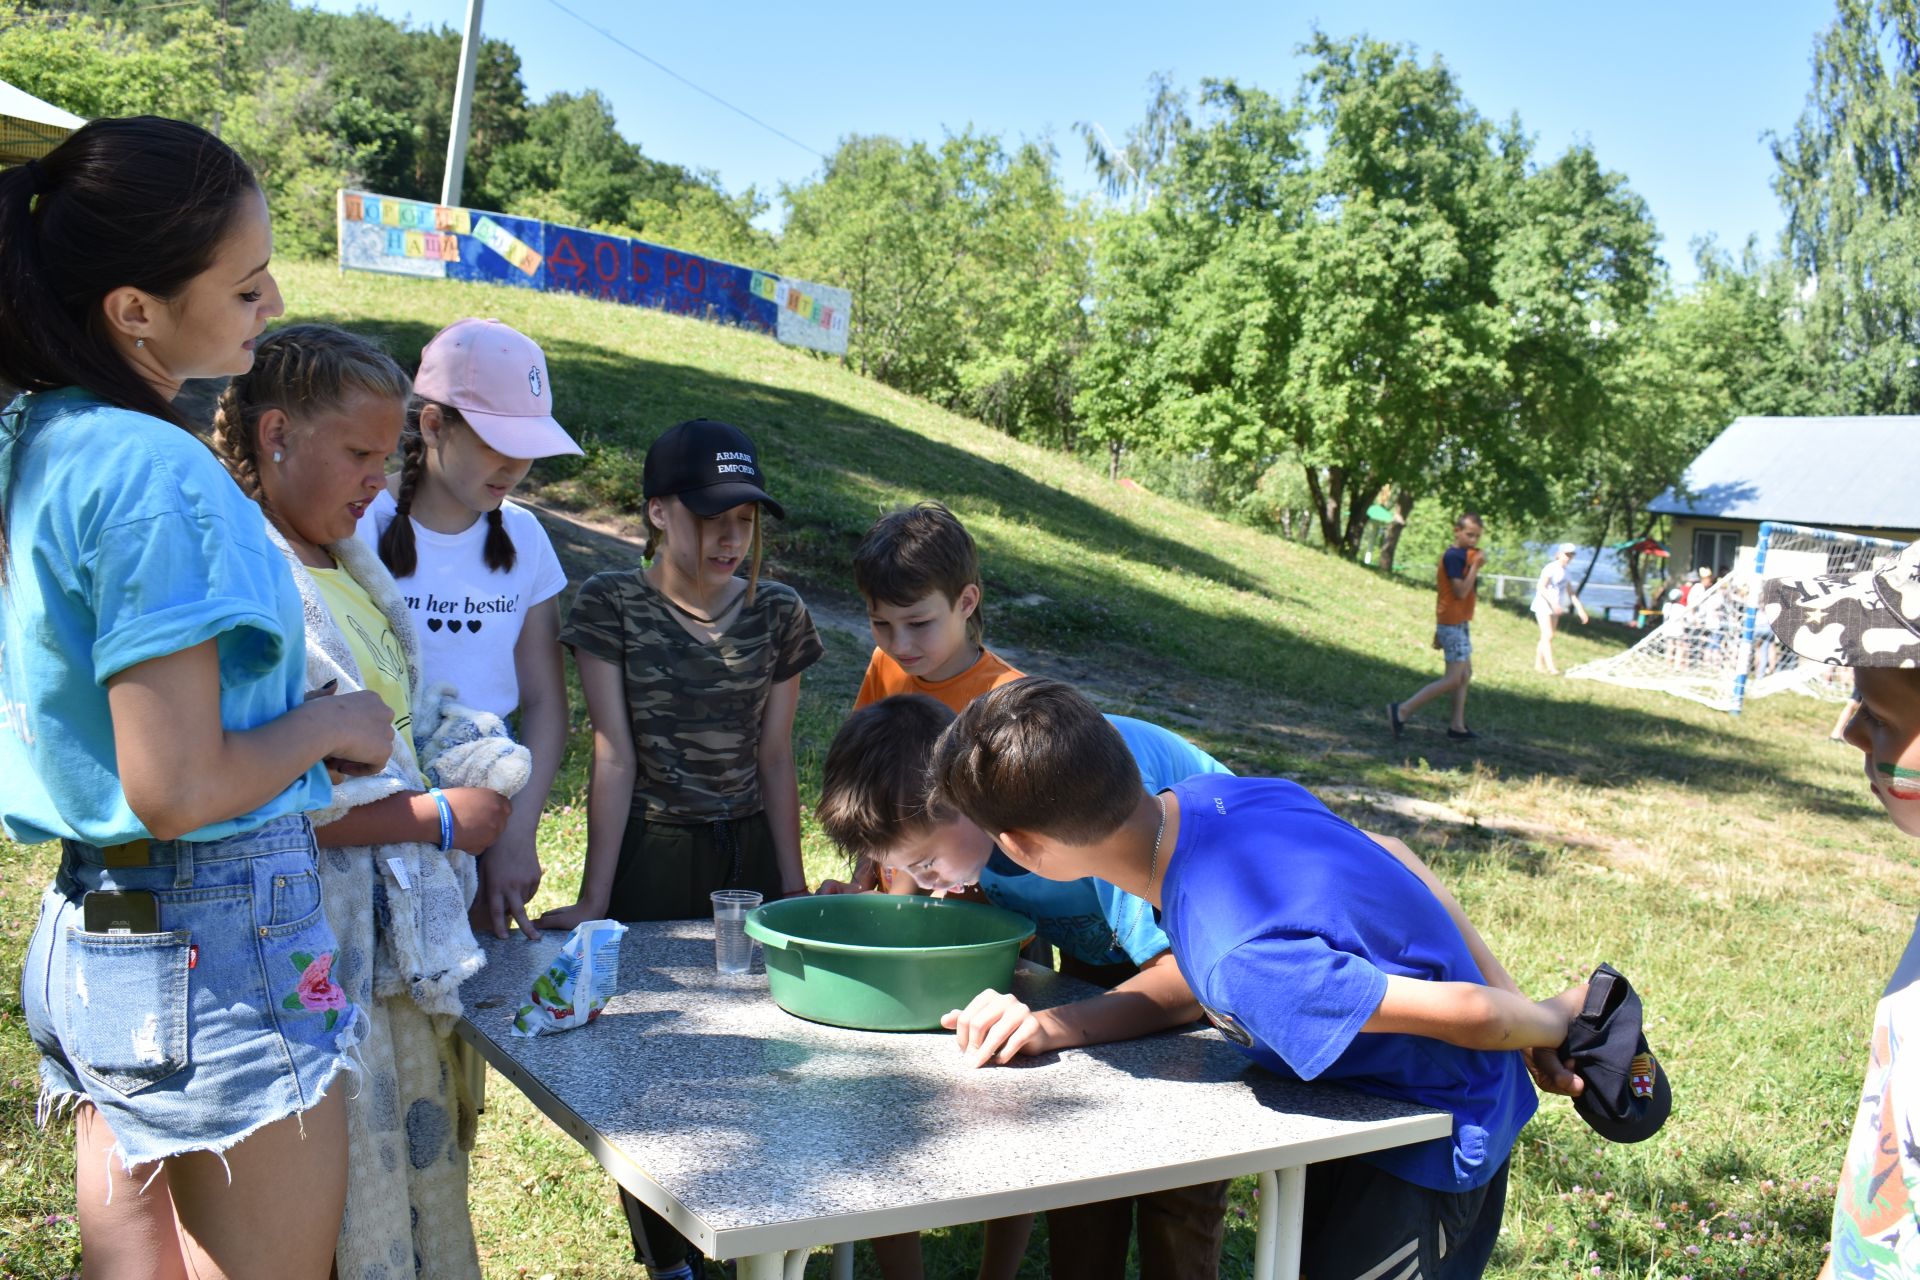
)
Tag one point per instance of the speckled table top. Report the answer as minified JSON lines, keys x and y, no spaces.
{"x":754,"y":1130}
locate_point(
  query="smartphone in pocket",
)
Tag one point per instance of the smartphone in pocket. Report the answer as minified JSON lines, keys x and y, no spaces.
{"x":119,"y":911}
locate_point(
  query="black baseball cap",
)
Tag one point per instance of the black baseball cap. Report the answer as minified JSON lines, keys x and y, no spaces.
{"x":1626,"y":1098}
{"x":711,"y":466}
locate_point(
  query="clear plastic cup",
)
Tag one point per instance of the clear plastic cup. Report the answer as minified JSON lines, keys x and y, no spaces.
{"x":732,"y":948}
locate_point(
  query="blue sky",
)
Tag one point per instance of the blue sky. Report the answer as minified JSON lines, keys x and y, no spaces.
{"x":1675,"y":95}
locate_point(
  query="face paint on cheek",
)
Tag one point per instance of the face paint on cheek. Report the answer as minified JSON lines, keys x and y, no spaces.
{"x":1901,"y":783}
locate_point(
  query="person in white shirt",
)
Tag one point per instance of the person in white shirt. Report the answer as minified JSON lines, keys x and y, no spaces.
{"x":1552,"y":595}
{"x":478,"y":572}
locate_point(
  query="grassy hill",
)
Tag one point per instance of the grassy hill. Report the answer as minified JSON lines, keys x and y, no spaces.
{"x":1735,"y":868}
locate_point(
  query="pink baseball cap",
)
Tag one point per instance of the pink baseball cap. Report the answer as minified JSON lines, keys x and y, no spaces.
{"x":497,"y":378}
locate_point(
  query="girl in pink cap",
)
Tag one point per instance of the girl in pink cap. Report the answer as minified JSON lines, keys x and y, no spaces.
{"x":477,"y":571}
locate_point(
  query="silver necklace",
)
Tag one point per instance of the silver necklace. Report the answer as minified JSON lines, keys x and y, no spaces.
{"x":1153,"y":863}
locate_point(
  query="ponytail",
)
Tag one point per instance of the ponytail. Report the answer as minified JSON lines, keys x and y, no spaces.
{"x":397,"y":548}
{"x":143,"y":202}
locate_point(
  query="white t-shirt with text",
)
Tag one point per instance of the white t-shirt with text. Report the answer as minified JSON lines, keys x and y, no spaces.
{"x":469,"y":616}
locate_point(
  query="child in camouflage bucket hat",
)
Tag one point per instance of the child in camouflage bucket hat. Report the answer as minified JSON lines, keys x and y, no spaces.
{"x":1870,"y":621}
{"x":1865,"y":619}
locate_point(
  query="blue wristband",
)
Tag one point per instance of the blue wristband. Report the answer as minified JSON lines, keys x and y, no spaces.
{"x":446,"y":818}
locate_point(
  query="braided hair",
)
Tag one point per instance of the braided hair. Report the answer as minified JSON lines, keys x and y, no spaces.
{"x":397,"y":549}
{"x":301,"y":370}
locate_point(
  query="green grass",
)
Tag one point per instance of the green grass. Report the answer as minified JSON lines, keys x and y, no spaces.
{"x":1734,"y":867}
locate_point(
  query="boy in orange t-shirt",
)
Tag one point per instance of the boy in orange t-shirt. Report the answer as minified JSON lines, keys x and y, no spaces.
{"x":1454,"y":582}
{"x":919,"y":573}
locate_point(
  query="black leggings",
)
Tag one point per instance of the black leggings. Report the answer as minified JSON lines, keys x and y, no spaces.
{"x":666,"y":872}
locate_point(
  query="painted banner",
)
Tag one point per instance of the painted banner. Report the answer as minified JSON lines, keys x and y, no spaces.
{"x":415,"y":238}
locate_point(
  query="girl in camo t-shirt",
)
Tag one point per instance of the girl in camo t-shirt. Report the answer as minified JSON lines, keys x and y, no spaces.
{"x":691,"y":674}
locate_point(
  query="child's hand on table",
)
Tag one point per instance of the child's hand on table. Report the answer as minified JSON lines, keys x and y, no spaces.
{"x":838,"y":886}
{"x":565,"y":918}
{"x":995,"y":1028}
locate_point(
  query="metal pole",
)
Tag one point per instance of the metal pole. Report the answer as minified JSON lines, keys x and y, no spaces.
{"x":1276,"y":1247}
{"x":1747,"y":615}
{"x":462,"y":106}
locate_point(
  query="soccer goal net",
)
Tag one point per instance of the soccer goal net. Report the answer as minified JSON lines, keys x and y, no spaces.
{"x":1716,"y":651}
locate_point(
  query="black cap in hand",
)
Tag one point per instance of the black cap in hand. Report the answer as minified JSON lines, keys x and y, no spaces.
{"x":1626,"y":1098}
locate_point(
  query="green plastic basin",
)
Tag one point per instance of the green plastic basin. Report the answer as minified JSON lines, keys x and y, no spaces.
{"x":884,"y":963}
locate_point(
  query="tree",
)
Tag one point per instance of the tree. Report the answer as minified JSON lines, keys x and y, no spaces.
{"x":98,"y":66}
{"x":288,"y":125}
{"x":1417,"y":311}
{"x":1194,"y":318}
{"x":965,"y":269}
{"x":1847,"y":180}
{"x":700,"y":218}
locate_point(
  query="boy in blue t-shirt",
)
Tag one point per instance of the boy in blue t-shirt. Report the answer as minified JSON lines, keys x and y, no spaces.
{"x":1319,"y":952}
{"x":873,"y":804}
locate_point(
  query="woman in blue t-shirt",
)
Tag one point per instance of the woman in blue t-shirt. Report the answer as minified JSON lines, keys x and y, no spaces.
{"x":179,"y":981}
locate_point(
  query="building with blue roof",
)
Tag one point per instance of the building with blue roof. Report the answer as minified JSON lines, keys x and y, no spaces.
{"x":1856,"y":475}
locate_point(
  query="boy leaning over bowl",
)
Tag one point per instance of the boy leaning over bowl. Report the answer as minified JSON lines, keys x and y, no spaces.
{"x":1870,"y":621}
{"x":1319,"y":952}
{"x":874,"y":805}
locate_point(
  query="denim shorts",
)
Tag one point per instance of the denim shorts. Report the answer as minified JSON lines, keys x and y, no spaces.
{"x":227,"y":1019}
{"x":1455,"y":640}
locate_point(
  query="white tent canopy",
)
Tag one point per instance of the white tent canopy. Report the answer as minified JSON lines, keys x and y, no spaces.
{"x":29,"y":128}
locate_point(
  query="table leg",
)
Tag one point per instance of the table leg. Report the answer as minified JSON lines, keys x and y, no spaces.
{"x":1283,"y":1202}
{"x":792,"y":1264}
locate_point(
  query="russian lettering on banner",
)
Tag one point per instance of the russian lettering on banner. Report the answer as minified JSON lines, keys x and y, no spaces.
{"x":414,"y":237}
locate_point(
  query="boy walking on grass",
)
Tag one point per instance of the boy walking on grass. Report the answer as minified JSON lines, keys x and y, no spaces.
{"x":1455,"y":582}
{"x":1870,"y":621}
{"x":1318,"y":952}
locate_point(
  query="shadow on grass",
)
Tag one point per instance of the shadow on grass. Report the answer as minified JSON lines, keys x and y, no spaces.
{"x":1102,"y":620}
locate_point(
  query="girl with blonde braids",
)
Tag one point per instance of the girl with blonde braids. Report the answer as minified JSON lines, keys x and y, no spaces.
{"x":307,"y":433}
{"x":478,"y":572}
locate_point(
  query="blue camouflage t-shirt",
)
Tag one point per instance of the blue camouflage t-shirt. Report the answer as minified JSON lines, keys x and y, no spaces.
{"x":1287,"y":922}
{"x":127,"y":541}
{"x":1089,"y":919}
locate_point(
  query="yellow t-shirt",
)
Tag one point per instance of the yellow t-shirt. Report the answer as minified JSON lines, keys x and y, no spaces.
{"x":383,"y":664}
